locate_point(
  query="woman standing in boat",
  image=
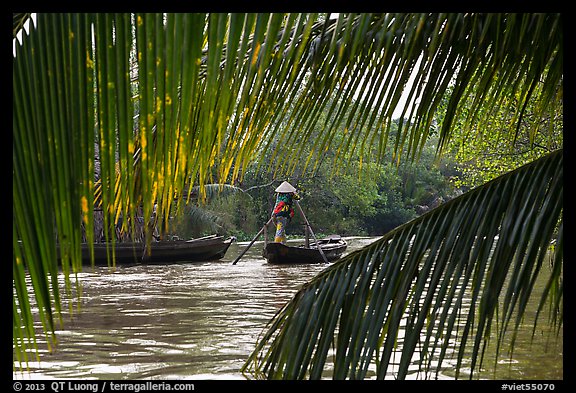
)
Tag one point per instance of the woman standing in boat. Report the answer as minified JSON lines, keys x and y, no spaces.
{"x":283,"y":210}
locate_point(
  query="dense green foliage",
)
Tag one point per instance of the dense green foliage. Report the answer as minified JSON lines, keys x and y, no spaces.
{"x":483,"y":152}
{"x":363,"y":198}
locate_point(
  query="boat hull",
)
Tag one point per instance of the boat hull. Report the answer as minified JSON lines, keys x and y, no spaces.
{"x":278,"y":253}
{"x":196,"y":250}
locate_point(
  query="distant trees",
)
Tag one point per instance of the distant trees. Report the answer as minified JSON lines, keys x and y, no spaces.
{"x":481,"y":152}
{"x":362,"y":198}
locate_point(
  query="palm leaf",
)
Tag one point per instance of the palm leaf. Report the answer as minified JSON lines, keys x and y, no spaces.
{"x":18,"y":21}
{"x":418,"y":278}
{"x":211,"y":191}
{"x":203,"y":219}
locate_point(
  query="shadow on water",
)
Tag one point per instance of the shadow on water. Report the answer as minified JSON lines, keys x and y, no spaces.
{"x":196,"y":321}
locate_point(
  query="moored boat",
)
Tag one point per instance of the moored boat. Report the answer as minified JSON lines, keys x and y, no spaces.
{"x":333,"y":247}
{"x":208,"y":248}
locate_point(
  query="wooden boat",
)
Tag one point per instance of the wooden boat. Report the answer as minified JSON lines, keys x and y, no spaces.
{"x":333,"y":247}
{"x":207,"y":248}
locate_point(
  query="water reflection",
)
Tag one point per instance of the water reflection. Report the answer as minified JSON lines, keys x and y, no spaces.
{"x":187,"y":321}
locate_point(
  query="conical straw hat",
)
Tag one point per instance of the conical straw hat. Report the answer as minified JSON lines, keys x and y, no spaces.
{"x":285,"y":187}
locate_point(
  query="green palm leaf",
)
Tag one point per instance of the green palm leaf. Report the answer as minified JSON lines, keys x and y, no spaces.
{"x":18,"y":21}
{"x":418,"y":277}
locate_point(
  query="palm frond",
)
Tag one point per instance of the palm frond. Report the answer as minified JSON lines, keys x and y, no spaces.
{"x":476,"y":53}
{"x":411,"y":287}
{"x":208,"y":192}
{"x":18,"y":21}
{"x":204,"y":219}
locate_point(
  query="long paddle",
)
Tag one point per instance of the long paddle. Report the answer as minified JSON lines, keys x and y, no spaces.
{"x":252,"y":242}
{"x":311,"y":231}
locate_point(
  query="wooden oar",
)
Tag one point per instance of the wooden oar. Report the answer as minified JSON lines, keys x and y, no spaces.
{"x":312,"y":232}
{"x":252,"y":242}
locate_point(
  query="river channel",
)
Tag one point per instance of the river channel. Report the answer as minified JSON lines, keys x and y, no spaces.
{"x":202,"y":321}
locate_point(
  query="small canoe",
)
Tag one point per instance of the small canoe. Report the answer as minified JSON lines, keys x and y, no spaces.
{"x":208,"y":248}
{"x":333,"y":247}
